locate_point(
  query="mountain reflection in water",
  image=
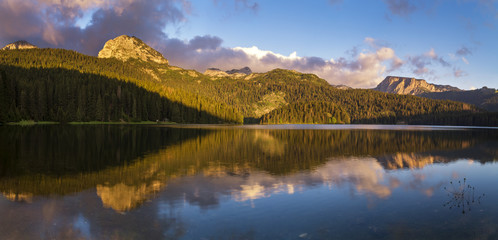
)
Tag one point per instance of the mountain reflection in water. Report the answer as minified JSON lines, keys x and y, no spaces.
{"x":152,"y":174}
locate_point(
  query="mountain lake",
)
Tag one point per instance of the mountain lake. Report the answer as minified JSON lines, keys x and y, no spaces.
{"x":248,"y":182}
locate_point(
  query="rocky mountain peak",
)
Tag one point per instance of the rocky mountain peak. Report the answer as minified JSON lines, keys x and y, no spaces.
{"x":411,"y":86}
{"x":126,"y":47}
{"x":19,"y":45}
{"x":244,"y":70}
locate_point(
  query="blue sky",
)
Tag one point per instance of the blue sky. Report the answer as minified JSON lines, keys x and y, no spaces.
{"x":350,"y":42}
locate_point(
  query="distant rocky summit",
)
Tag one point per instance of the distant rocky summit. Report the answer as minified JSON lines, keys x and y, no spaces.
{"x":216,"y":72}
{"x":19,"y":45}
{"x":244,"y":70}
{"x":410,"y":86}
{"x":486,"y":98}
{"x":126,"y":47}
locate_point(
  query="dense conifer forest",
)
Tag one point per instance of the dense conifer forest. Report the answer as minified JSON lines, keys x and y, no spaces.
{"x":302,"y":112}
{"x":81,"y":78}
{"x":62,"y":85}
{"x":55,"y":94}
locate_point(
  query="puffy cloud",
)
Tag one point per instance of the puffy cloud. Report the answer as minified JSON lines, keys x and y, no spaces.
{"x":52,"y":23}
{"x":205,"y":42}
{"x":201,"y":53}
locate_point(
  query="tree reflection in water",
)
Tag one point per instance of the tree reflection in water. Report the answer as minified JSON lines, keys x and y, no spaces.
{"x":462,"y":195}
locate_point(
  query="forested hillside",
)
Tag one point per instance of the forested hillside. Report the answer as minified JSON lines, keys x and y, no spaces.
{"x":304,"y":112}
{"x":55,"y":94}
{"x":63,"y":69}
{"x":63,"y":85}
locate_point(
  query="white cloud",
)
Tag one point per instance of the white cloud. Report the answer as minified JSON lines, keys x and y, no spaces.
{"x":431,"y":53}
{"x":259,"y":54}
{"x":386,"y":53}
{"x":465,"y":60}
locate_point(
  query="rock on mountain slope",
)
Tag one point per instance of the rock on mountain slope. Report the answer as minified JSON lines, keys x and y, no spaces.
{"x":411,"y":86}
{"x":126,"y":47}
{"x":215,"y":72}
{"x":19,"y":45}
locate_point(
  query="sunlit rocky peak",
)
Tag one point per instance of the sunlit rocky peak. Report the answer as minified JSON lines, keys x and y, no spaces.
{"x":411,"y":86}
{"x":19,"y":45}
{"x":126,"y":47}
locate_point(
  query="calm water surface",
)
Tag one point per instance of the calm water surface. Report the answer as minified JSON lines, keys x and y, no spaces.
{"x":248,"y":182}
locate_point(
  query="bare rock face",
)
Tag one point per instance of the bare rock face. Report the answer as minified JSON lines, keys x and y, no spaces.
{"x":215,"y":72}
{"x":19,"y":45}
{"x":411,"y":86}
{"x":126,"y":47}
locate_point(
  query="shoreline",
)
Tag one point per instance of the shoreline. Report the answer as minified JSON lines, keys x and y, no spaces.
{"x":30,"y":123}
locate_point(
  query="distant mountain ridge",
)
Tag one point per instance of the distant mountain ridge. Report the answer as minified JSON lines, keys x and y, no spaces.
{"x":411,"y":86}
{"x":486,"y":98}
{"x":19,"y":45}
{"x":216,"y":72}
{"x":244,"y":70}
